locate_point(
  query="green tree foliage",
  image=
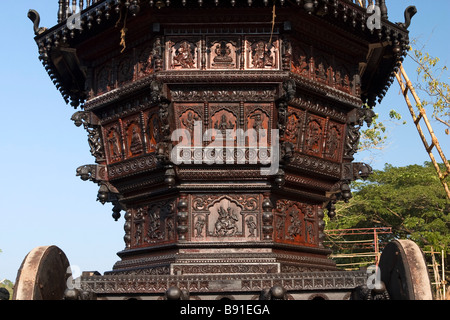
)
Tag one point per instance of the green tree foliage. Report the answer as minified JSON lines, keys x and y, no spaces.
{"x":409,"y":199}
{"x":8,"y":285}
{"x":430,"y":73}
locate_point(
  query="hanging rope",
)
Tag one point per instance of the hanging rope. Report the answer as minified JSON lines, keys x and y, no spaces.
{"x":123,"y":31}
{"x":273,"y":23}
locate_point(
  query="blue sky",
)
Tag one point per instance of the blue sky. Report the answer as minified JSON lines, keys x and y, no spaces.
{"x":44,"y":203}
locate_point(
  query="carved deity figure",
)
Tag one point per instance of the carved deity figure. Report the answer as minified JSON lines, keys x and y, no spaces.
{"x":251,"y":225}
{"x":261,"y":57}
{"x":189,"y":122}
{"x":114,"y":147}
{"x":184,"y":57}
{"x":302,"y":66}
{"x":292,"y":128}
{"x":139,"y":219}
{"x":95,"y":142}
{"x":226,"y":222}
{"x":258,"y":126}
{"x":154,"y":225}
{"x":136,"y":142}
{"x":223,"y":124}
{"x":333,"y":142}
{"x":321,"y":72}
{"x":199,"y":225}
{"x":223,"y":54}
{"x":314,"y":135}
{"x":295,"y":229}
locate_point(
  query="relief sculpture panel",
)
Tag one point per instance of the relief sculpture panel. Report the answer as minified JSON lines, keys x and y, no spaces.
{"x":232,"y":218}
{"x":134,"y":138}
{"x":113,"y":143}
{"x":182,"y":54}
{"x":153,"y":223}
{"x":296,"y":223}
{"x":262,"y":55}
{"x":223,"y":53}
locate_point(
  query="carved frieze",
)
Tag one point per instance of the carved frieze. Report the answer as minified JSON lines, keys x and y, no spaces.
{"x":223,"y":93}
{"x":124,"y":69}
{"x":314,"y":135}
{"x":324,"y":68}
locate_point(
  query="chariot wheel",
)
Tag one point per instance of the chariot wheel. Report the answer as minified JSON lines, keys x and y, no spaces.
{"x":42,"y":275}
{"x":404,"y":271}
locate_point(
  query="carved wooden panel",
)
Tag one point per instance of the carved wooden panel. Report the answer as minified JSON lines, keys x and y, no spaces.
{"x":104,"y":78}
{"x":334,"y":141}
{"x":144,"y":62}
{"x":300,"y":63}
{"x":224,"y":120}
{"x":223,"y":53}
{"x":187,"y":116}
{"x":296,"y":223}
{"x":258,"y":123}
{"x":153,"y":223}
{"x":123,"y":69}
{"x":152,"y":129}
{"x":113,"y":142}
{"x":314,"y":133}
{"x":133,"y":136}
{"x":183,"y":53}
{"x":294,"y":127}
{"x":259,"y":54}
{"x":225,"y":218}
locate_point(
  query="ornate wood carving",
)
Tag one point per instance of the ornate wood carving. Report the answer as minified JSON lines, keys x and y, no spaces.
{"x":152,"y":224}
{"x":296,"y":222}
{"x":230,"y":217}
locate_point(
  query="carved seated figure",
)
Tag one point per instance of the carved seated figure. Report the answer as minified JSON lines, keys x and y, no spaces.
{"x":223,"y":54}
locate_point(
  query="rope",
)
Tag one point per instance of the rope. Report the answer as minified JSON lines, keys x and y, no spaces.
{"x":273,"y":23}
{"x":123,"y":31}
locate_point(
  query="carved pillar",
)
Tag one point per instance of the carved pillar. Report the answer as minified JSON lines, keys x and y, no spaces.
{"x":182,"y":217}
{"x":127,"y":228}
{"x":320,"y":216}
{"x":267,"y":218}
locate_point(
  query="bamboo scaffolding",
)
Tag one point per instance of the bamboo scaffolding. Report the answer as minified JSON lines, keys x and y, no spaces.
{"x":406,"y":86}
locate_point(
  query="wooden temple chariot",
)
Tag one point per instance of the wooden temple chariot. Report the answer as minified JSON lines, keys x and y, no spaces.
{"x":208,"y":215}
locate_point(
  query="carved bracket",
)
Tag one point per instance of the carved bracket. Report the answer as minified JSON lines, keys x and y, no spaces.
{"x":341,"y":190}
{"x":107,"y":192}
{"x":92,"y":172}
{"x":355,"y":121}
{"x":92,"y":125}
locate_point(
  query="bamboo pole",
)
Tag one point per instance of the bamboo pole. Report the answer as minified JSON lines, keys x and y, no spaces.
{"x":422,"y":115}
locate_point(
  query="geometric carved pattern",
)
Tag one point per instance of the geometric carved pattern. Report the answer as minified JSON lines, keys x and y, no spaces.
{"x":141,"y":284}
